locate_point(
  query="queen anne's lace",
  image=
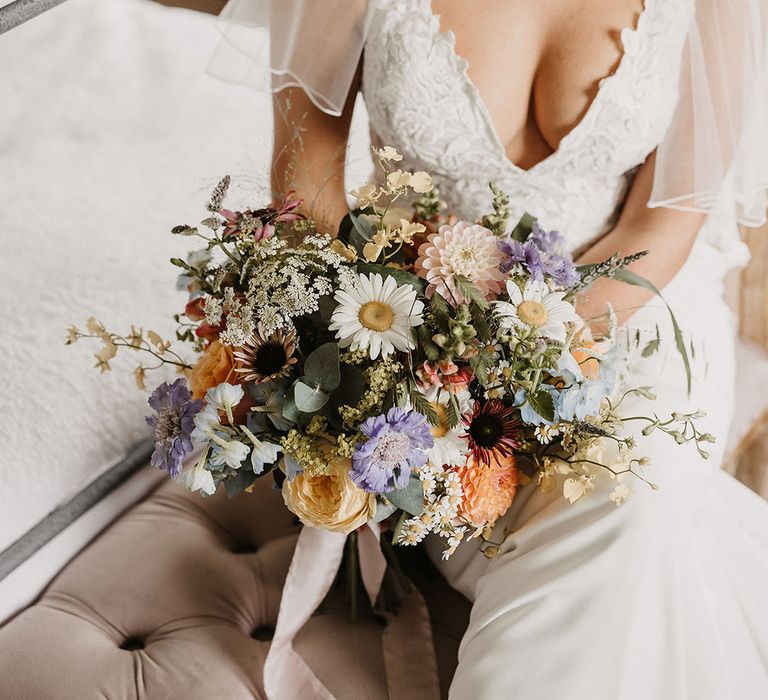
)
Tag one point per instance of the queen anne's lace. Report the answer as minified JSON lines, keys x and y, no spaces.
{"x":421,"y":100}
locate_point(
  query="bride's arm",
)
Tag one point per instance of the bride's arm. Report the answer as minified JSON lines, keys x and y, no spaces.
{"x":667,"y":234}
{"x":309,"y":154}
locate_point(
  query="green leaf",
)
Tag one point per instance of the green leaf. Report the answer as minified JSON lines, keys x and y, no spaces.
{"x":400,"y":276}
{"x":309,"y":399}
{"x":383,"y":511}
{"x":629,"y":277}
{"x":421,"y":405}
{"x":651,"y":347}
{"x":471,"y":292}
{"x":522,"y":231}
{"x":290,"y":410}
{"x":398,"y":528}
{"x":236,"y":484}
{"x":543,"y":403}
{"x":439,"y":305}
{"x":321,"y":368}
{"x":453,"y":413}
{"x":410,"y":498}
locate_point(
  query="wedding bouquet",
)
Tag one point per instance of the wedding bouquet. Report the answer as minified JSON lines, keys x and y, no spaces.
{"x":417,"y":368}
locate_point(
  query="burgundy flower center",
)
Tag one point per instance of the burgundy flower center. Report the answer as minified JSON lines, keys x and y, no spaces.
{"x":486,"y":430}
{"x":269,"y":358}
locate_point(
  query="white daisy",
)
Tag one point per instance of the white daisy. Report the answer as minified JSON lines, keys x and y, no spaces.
{"x":538,"y":309}
{"x":450,"y":447}
{"x":377,"y":315}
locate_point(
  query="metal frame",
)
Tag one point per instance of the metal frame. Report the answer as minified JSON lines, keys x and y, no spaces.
{"x":19,"y":11}
{"x":50,"y":526}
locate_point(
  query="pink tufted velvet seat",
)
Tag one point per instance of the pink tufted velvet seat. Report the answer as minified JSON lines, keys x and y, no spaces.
{"x":177,"y":601}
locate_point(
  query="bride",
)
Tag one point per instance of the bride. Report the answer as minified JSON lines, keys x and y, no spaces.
{"x":627,"y":126}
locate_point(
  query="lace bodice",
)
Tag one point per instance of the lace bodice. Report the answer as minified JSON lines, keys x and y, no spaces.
{"x":421,"y":100}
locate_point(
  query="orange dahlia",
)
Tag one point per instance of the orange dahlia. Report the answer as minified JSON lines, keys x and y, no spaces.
{"x":488,"y":489}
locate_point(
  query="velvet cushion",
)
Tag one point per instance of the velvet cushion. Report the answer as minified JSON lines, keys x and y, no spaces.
{"x":178,"y":599}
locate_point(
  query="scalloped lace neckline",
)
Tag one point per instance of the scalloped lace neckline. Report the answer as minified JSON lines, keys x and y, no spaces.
{"x":627,"y":35}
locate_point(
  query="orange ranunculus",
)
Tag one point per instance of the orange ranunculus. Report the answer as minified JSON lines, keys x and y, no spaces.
{"x":217,"y":365}
{"x":488,"y":489}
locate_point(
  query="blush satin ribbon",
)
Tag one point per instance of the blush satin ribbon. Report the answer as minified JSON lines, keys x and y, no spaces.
{"x":409,"y":660}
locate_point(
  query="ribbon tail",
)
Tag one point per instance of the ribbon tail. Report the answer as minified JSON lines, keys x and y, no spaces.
{"x":313,"y":568}
{"x":373,"y":565}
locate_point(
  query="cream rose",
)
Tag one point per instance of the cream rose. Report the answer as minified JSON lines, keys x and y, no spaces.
{"x":329,"y":502}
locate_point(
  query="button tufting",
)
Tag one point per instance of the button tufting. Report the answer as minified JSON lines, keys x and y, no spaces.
{"x":132,"y":644}
{"x":263,"y":633}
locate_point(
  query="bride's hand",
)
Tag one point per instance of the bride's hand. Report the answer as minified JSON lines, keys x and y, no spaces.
{"x":666,"y":234}
{"x":309,"y":155}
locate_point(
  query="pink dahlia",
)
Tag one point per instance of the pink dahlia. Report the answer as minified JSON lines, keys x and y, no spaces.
{"x":462,"y":250}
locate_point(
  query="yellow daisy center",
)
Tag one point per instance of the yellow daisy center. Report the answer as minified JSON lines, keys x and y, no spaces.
{"x":376,"y":316}
{"x":532,"y":313}
{"x":441,"y":429}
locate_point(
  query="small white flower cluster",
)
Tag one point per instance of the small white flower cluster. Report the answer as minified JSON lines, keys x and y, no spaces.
{"x":290,"y":281}
{"x":442,"y":498}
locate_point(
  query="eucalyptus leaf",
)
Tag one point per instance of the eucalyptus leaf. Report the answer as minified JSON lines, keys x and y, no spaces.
{"x":410,"y":498}
{"x":543,"y":403}
{"x":235,"y":485}
{"x":629,"y":277}
{"x":383,"y":511}
{"x":309,"y":399}
{"x":321,"y":368}
{"x":290,"y":410}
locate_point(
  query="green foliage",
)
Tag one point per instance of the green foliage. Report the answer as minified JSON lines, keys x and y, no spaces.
{"x":411,"y":498}
{"x":420,"y":403}
{"x":471,"y":292}
{"x":400,"y":276}
{"x":524,"y":227}
{"x":541,"y":401}
{"x":629,"y":277}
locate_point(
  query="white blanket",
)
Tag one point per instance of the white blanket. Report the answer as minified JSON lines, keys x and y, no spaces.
{"x":111,"y":132}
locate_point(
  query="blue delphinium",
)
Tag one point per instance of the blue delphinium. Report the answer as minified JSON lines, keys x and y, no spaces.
{"x":581,"y":397}
{"x":395,"y":444}
{"x":543,"y":255}
{"x":172,"y":423}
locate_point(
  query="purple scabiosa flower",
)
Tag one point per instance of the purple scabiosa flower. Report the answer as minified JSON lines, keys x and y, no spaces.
{"x":396,"y":443}
{"x":173,"y":425}
{"x":543,"y":255}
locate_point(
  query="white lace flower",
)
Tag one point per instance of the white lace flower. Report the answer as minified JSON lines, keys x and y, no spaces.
{"x":536,"y":308}
{"x":377,"y":315}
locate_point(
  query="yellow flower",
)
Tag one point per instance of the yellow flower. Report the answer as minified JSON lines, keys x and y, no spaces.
{"x":330,"y":501}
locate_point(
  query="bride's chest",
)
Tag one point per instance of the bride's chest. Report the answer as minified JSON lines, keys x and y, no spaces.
{"x":421,"y":97}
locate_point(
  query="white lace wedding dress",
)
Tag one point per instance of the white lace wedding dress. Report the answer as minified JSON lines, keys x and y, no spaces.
{"x":667,"y":595}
